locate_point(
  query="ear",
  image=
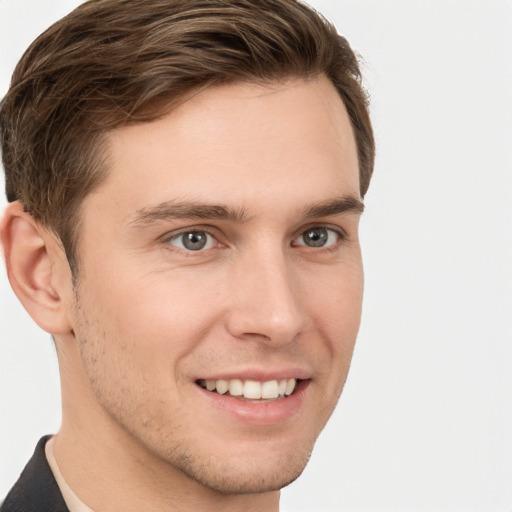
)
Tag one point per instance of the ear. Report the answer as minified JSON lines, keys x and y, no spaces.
{"x":37,"y":269}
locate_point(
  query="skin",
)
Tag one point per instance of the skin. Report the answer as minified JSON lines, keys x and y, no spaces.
{"x":149,"y":317}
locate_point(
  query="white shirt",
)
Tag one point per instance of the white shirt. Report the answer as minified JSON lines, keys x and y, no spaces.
{"x":73,"y":502}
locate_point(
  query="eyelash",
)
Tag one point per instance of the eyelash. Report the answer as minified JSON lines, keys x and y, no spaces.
{"x":338,"y":232}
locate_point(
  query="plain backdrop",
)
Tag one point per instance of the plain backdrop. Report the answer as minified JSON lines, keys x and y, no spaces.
{"x":425,"y":421}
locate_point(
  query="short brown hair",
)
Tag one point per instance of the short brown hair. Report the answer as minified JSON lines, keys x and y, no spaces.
{"x":110,"y":63}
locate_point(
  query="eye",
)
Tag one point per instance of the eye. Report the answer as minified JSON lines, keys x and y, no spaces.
{"x":318,"y":237}
{"x":193,"y":240}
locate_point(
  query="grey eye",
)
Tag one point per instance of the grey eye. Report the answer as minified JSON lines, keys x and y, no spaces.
{"x":315,"y":237}
{"x":193,"y":240}
{"x":318,"y":237}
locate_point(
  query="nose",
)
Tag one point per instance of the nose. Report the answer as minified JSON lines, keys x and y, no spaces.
{"x":265,"y":300}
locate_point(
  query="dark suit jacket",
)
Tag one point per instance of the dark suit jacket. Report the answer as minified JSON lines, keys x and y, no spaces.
{"x":36,"y":490}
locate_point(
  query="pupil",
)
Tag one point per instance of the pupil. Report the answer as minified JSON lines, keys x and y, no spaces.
{"x":316,"y":237}
{"x":194,"y":241}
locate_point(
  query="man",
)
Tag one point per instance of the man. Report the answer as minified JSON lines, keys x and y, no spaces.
{"x":185,"y":182}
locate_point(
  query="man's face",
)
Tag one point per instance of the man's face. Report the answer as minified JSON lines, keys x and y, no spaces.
{"x":222,"y":249}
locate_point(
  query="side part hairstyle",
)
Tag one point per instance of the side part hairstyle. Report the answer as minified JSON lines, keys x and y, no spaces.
{"x":111,"y":63}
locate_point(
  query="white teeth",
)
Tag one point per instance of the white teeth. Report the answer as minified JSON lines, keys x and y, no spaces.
{"x":236,"y":387}
{"x":270,"y":389}
{"x":222,"y":386}
{"x":251,"y":389}
{"x":290,"y":386}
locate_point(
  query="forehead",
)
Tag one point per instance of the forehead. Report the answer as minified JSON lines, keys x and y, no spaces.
{"x":236,"y":142}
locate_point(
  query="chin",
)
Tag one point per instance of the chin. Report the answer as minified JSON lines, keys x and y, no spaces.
{"x":246,"y":475}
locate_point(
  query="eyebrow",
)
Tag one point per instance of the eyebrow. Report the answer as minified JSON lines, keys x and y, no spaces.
{"x":173,"y":210}
{"x":336,"y":206}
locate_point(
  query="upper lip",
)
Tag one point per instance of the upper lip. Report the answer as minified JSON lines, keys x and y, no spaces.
{"x":260,"y":375}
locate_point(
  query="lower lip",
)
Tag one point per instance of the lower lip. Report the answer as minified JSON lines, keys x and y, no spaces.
{"x":259,"y":413}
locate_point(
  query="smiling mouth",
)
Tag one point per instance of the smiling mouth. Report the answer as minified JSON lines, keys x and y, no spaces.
{"x":249,"y":390}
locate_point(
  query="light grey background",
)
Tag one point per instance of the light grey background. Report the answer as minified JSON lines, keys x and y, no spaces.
{"x":425,"y":421}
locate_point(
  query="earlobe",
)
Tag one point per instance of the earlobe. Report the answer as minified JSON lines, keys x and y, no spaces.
{"x":33,"y":265}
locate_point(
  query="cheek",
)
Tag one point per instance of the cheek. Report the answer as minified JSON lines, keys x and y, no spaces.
{"x":149,"y":323}
{"x":338,"y":303}
{"x":337,"y":318}
{"x":132,"y":343}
